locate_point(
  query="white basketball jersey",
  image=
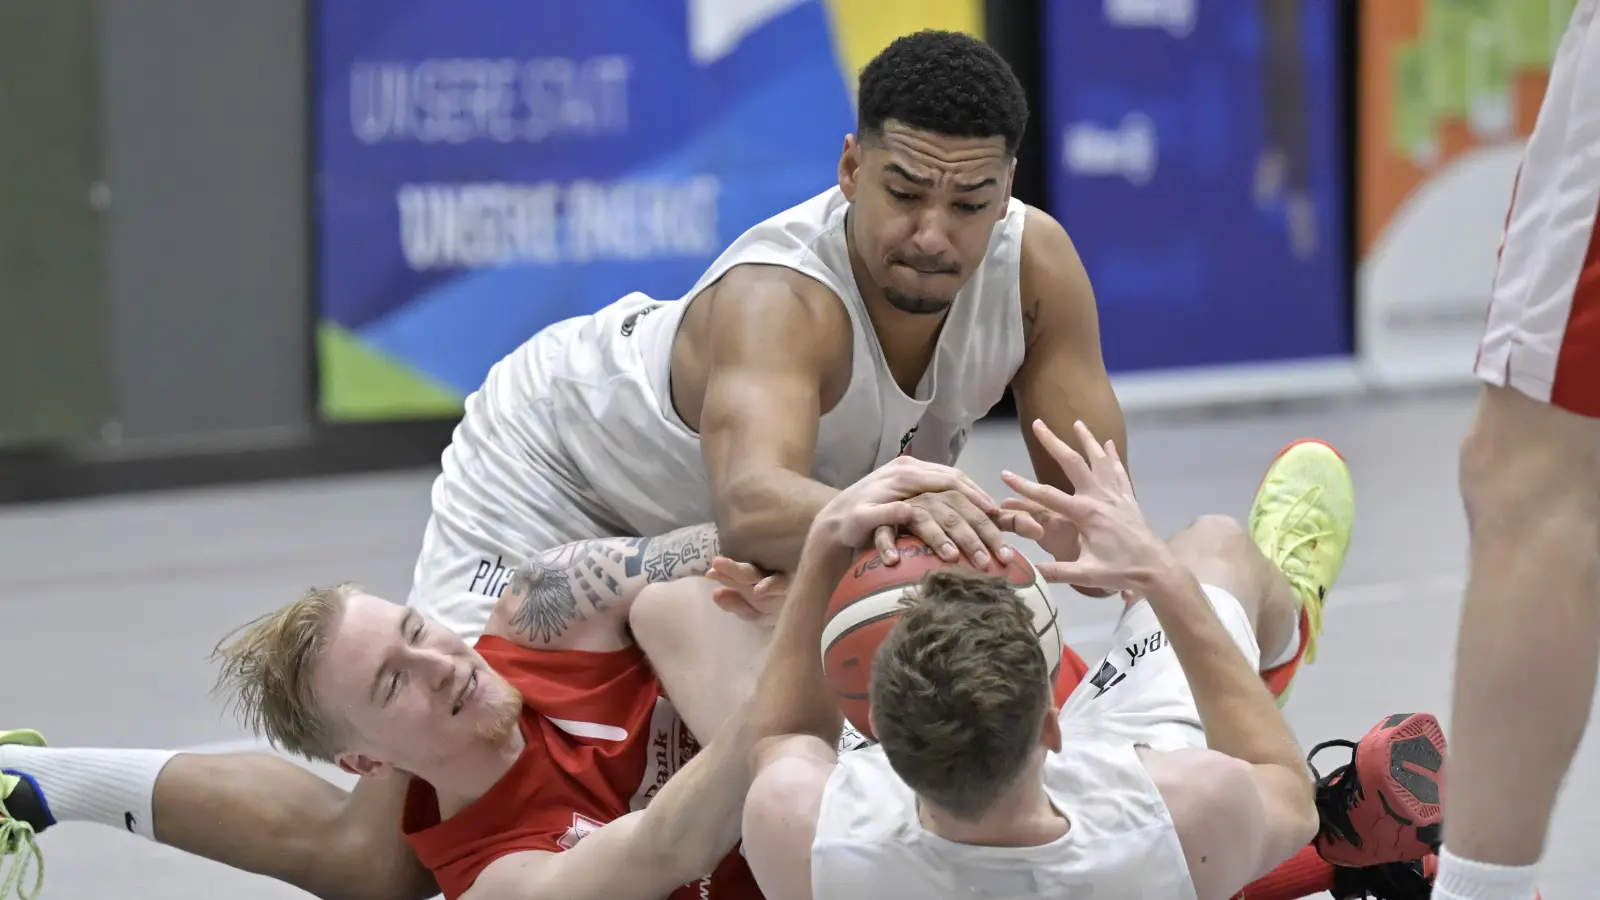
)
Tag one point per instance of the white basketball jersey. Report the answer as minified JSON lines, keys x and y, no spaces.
{"x":1120,"y":843}
{"x":609,"y":375}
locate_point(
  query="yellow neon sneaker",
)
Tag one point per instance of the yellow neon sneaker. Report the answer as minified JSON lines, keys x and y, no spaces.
{"x":18,"y":831}
{"x":1302,"y":517}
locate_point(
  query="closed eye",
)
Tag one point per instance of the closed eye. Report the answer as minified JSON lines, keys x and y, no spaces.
{"x":971,"y":207}
{"x":900,"y":195}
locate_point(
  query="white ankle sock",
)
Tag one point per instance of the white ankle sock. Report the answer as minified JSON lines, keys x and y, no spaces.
{"x":1465,"y":879}
{"x":1291,"y":647}
{"x":111,"y":787}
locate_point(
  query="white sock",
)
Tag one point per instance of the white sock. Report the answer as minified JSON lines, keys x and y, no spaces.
{"x":1465,"y":879}
{"x":115,"y":788}
{"x":1291,"y":647}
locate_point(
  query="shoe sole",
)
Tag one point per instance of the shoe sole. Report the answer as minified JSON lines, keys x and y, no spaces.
{"x":1416,"y":757}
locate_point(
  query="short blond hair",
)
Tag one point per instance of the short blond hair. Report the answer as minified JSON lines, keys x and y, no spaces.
{"x":267,"y":668}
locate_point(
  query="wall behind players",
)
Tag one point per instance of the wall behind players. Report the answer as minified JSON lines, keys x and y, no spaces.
{"x":480,"y":176}
{"x":152,"y":258}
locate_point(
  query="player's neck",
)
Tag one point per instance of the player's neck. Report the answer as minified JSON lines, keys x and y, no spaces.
{"x":471,"y":775}
{"x":1025,"y":817}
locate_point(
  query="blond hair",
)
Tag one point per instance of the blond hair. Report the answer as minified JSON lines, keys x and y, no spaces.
{"x":267,"y":668}
{"x":959,"y":691}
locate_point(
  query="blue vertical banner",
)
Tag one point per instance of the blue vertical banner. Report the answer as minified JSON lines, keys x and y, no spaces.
{"x":484,"y":168}
{"x":1195,"y":156}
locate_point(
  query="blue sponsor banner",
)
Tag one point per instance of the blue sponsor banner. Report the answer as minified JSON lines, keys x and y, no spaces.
{"x":485,"y":168}
{"x":1195,"y":158}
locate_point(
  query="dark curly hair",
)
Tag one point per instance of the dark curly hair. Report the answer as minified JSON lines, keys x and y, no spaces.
{"x":944,"y":82}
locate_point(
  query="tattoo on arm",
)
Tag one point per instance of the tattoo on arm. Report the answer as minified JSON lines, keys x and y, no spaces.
{"x":550,"y":584}
{"x":554,"y":590}
{"x":1030,"y":319}
{"x":677,"y":554}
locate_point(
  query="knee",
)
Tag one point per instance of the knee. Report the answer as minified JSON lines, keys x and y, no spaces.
{"x":649,"y":617}
{"x":1211,"y":536}
{"x":1523,"y":460}
{"x":664,"y":615}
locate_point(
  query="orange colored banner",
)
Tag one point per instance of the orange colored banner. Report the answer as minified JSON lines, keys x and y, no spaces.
{"x":1449,"y":91}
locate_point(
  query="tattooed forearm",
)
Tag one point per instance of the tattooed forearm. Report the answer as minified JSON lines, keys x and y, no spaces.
{"x":679,"y":554}
{"x":554,"y":590}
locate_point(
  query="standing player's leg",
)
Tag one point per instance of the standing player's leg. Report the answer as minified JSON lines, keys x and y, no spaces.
{"x":1530,"y":475}
{"x":1530,"y":480}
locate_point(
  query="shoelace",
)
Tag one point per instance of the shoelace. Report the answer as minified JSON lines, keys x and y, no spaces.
{"x":17,"y":839}
{"x":1287,"y":543}
{"x":1336,"y":794}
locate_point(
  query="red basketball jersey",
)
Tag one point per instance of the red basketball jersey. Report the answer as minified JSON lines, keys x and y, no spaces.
{"x":601,"y":741}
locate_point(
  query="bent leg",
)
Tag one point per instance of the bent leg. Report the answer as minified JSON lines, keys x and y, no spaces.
{"x":1220,"y":552}
{"x":707,"y":659}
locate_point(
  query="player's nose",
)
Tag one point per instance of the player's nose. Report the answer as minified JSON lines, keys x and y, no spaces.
{"x":438,"y":668}
{"x":932,"y":237}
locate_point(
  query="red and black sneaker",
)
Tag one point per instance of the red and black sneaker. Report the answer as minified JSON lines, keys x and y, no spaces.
{"x":1391,"y":881}
{"x":1383,"y":806}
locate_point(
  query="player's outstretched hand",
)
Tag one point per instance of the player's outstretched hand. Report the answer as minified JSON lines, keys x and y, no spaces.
{"x":1117,"y":548}
{"x":924,"y":498}
{"x":748,"y":591}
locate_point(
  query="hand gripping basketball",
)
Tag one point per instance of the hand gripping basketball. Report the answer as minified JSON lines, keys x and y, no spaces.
{"x":1117,"y":548}
{"x":881,"y":501}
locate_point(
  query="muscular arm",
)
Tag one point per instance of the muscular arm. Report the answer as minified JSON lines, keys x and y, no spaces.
{"x":577,"y":596}
{"x":1231,"y":817}
{"x":776,"y":340}
{"x":680,"y":837}
{"x":1063,"y":377}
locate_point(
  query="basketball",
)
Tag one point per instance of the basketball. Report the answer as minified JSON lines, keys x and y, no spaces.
{"x":866,"y":604}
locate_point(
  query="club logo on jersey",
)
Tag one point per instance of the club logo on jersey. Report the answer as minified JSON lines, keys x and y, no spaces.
{"x":905,"y":440}
{"x":632,"y":320}
{"x":1106,"y":678}
{"x":582,"y":827}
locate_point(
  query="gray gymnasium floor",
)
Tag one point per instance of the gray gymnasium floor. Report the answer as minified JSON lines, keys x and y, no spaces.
{"x":110,"y":606}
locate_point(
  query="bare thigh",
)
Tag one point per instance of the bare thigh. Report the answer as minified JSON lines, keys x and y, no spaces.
{"x":707,"y":659}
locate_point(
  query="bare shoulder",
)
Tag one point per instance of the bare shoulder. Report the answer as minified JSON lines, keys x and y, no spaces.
{"x":1194,"y":775}
{"x":1045,"y":245}
{"x":1216,"y":812}
{"x":765,"y":301}
{"x":1056,"y":294}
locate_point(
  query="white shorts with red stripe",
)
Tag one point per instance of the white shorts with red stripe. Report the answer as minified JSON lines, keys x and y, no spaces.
{"x":1543,"y":331}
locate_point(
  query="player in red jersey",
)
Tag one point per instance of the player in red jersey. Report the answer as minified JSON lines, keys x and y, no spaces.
{"x":547,"y":760}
